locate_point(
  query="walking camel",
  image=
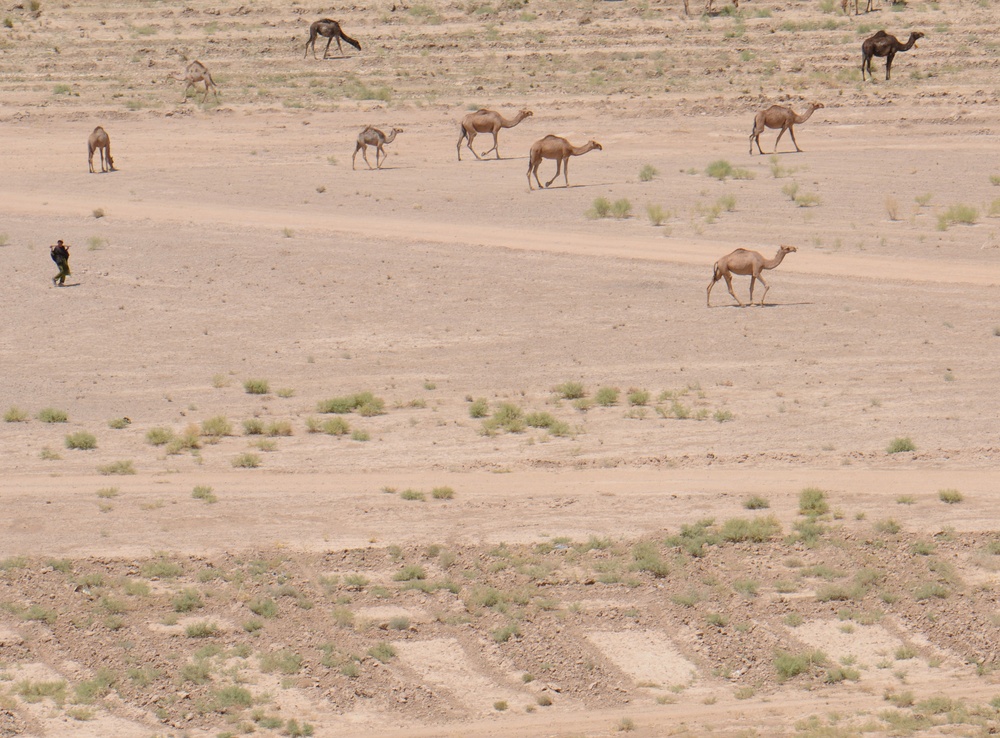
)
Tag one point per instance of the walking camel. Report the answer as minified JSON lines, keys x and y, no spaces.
{"x":197,"y":72}
{"x":373,"y":137}
{"x":554,"y":147}
{"x":485,"y":121}
{"x":778,"y":116}
{"x":882,"y":44}
{"x":100,"y":141}
{"x":329,"y":29}
{"x":744,"y":262}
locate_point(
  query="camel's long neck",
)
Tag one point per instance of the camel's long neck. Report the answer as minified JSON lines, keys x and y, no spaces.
{"x":391,"y":137}
{"x":772,"y":263}
{"x":577,"y":150}
{"x":505,"y":123}
{"x":909,"y":43}
{"x":805,"y":116}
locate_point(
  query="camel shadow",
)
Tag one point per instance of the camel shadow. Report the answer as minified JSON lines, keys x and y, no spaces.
{"x":766,"y":306}
{"x":555,"y":187}
{"x":70,"y":284}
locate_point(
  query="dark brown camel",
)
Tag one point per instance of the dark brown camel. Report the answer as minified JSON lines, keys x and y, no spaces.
{"x":555,"y":147}
{"x":882,"y":44}
{"x":744,"y":262}
{"x":373,"y":137}
{"x":485,"y":121}
{"x":100,"y":141}
{"x":778,"y":116}
{"x":330,"y":29}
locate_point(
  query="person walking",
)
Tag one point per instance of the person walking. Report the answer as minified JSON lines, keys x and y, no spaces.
{"x":60,"y":255}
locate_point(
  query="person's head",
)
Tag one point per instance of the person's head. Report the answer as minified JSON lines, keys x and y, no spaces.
{"x":59,"y":242}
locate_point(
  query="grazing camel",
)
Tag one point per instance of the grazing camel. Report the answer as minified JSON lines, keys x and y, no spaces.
{"x":331,"y":30}
{"x":882,"y":44}
{"x":868,"y":9}
{"x":485,"y":121}
{"x":742,"y":261}
{"x":373,"y":137}
{"x":778,"y":116}
{"x":100,"y":141}
{"x":197,"y":72}
{"x":554,"y":147}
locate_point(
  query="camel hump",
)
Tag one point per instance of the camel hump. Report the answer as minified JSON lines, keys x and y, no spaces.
{"x":879,"y":34}
{"x":326,"y":20}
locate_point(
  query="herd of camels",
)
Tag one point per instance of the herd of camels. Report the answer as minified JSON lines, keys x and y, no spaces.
{"x":739,"y":262}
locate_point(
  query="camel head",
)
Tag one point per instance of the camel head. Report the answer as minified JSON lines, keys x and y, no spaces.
{"x":525,"y":114}
{"x":594,"y":145}
{"x":916,"y":35}
{"x":817,"y":106}
{"x":788,"y":249}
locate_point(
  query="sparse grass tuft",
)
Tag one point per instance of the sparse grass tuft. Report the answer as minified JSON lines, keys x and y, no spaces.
{"x":443,"y":493}
{"x":216,"y":427}
{"x":656,"y":214}
{"x":957,"y":214}
{"x":284,"y":661}
{"x":507,"y":417}
{"x":479,"y":408}
{"x":647,"y":173}
{"x":600,"y":208}
{"x":335,"y":427}
{"x":124,"y":467}
{"x":246,"y":461}
{"x":950,"y":496}
{"x":570,"y":390}
{"x":52,"y":415}
{"x":15,"y":415}
{"x":621,"y":209}
{"x":159,"y":436}
{"x":204,"y":493}
{"x":412,"y":495}
{"x":607,"y":396}
{"x":789,"y":665}
{"x":756,"y":502}
{"x":119,"y":423}
{"x":382,"y":651}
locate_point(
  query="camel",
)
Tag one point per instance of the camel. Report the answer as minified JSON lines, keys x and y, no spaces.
{"x":331,"y":30}
{"x":868,"y":9}
{"x":485,"y":121}
{"x":882,"y":44}
{"x":373,"y":137}
{"x":100,"y":141}
{"x":554,"y":147}
{"x":743,"y":262}
{"x":778,"y":116}
{"x":197,"y":72}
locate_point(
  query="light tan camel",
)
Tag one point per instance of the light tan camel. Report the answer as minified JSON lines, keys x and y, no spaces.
{"x":373,"y":137}
{"x":331,"y":30}
{"x":881,"y":43}
{"x":100,"y":141}
{"x":744,"y":262}
{"x":554,"y":147}
{"x":778,"y":116}
{"x":486,"y":121}
{"x":197,"y":72}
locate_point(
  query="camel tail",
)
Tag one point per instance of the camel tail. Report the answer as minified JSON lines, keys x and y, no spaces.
{"x":716,"y":272}
{"x":351,"y":41}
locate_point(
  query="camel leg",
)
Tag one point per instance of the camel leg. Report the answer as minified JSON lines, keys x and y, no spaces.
{"x":90,"y":161}
{"x":328,"y":42}
{"x":753,"y":281}
{"x":708,"y":297}
{"x":566,"y":172}
{"x":766,"y":288}
{"x":364,"y":153}
{"x":755,"y":136}
{"x":357,"y":148}
{"x":494,"y":147}
{"x":791,"y":131}
{"x":384,"y":155}
{"x":458,"y":146}
{"x":472,"y":134}
{"x":340,"y":49}
{"x":729,"y":286}
{"x":558,"y":169}
{"x":888,"y":66}
{"x":780,"y":134}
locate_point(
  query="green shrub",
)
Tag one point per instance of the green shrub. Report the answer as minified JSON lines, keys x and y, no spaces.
{"x":278,"y":428}
{"x":263,"y":606}
{"x":621,"y":209}
{"x":789,"y":665}
{"x":253,"y":426}
{"x":364,"y":403}
{"x":638,"y":398}
{"x":52,"y":415}
{"x":159,"y":436}
{"x":161,"y":568}
{"x":648,"y":559}
{"x":204,"y":493}
{"x":607,"y":396}
{"x":410,"y":573}
{"x":720,"y":169}
{"x":600,"y":208}
{"x":961,"y":214}
{"x":647,"y":173}
{"x":507,"y":417}
{"x":256,"y":386}
{"x":443,"y":493}
{"x":656,"y":214}
{"x":335,"y":427}
{"x":756,"y":502}
{"x":479,"y":408}
{"x":81,"y":440}
{"x":889,"y":526}
{"x":900,"y":445}
{"x":15,"y":415}
{"x":506,"y":632}
{"x":382,"y":651}
{"x":360,"y":435}
{"x":232,"y":696}
{"x":812,"y":501}
{"x":412,"y":495}
{"x":930,"y":590}
{"x":119,"y":423}
{"x":570,"y":390}
{"x":539,"y":420}
{"x":757,"y":530}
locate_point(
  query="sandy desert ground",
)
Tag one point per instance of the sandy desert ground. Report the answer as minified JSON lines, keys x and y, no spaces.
{"x":509,"y":475}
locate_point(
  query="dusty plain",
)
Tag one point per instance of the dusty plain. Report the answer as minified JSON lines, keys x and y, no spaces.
{"x":405,"y":568}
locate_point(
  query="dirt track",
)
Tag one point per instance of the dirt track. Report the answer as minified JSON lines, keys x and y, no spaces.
{"x":235,"y":242}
